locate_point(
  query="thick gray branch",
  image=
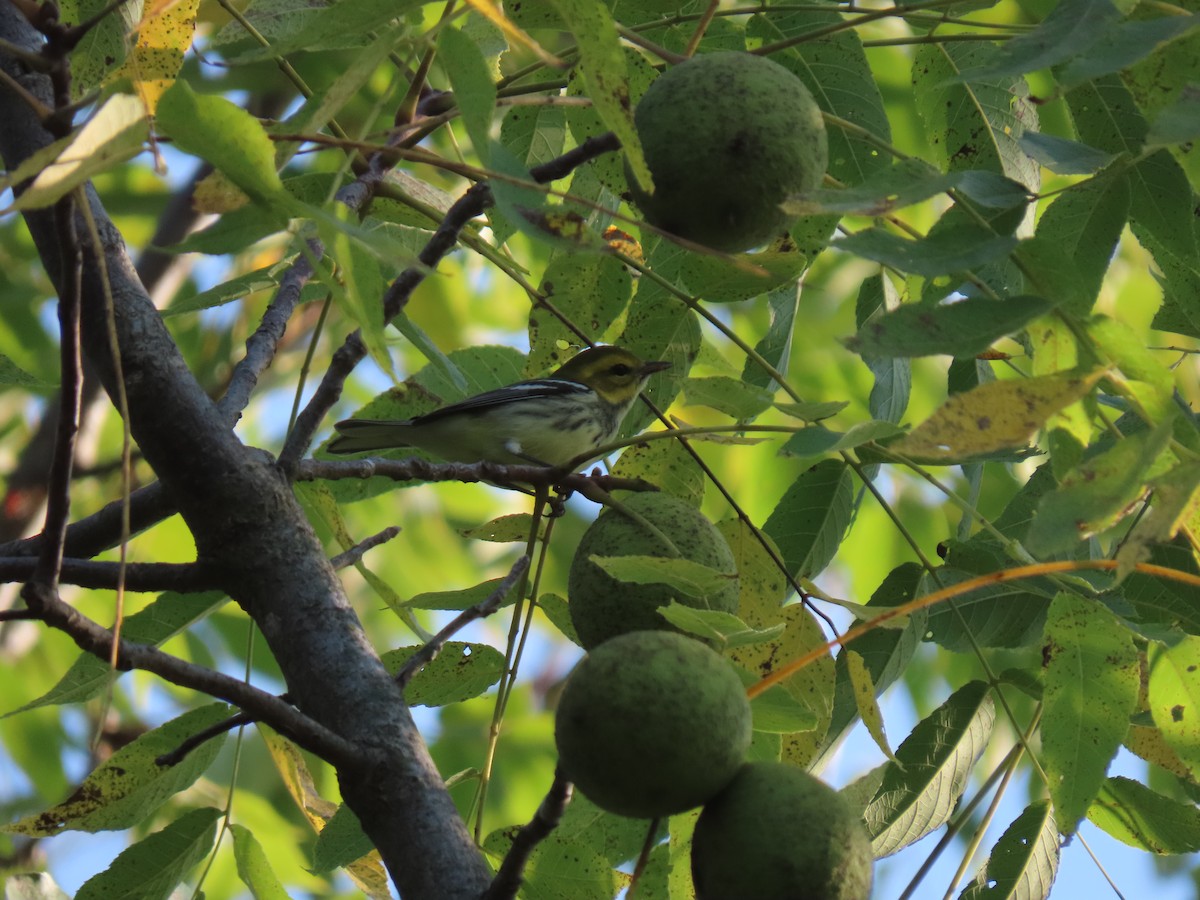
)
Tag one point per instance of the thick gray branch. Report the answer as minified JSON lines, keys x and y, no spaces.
{"x":246,"y":522}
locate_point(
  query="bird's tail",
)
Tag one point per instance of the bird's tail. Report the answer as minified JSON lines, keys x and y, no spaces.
{"x":358,"y":435}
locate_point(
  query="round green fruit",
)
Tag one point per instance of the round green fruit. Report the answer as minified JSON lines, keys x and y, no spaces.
{"x":651,"y":724}
{"x":778,"y":833}
{"x":602,"y":607}
{"x":728,"y":137}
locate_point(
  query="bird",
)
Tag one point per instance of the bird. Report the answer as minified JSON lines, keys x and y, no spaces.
{"x":545,"y":421}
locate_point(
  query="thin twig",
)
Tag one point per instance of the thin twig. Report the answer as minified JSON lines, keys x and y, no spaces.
{"x":191,"y":742}
{"x":183,"y":578}
{"x":549,"y":813}
{"x":355,"y":553}
{"x":58,"y":500}
{"x":489,"y":605}
{"x":93,"y":638}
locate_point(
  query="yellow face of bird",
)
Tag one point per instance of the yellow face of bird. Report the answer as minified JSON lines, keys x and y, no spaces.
{"x":612,"y":372}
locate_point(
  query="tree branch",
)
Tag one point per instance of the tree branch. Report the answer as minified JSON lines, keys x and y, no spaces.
{"x":245,"y":518}
{"x":549,"y":813}
{"x":97,"y":640}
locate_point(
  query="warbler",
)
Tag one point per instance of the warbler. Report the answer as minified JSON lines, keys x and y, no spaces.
{"x":545,"y":421}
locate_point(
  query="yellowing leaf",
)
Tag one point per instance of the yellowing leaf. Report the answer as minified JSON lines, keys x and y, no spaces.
{"x":163,"y":38}
{"x":113,"y":135}
{"x":864,"y":699}
{"x":999,"y":415}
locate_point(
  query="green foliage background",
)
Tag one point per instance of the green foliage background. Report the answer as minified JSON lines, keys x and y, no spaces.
{"x":1032,"y":161}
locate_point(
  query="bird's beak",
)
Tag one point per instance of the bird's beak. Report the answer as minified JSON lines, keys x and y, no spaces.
{"x":650,"y":368}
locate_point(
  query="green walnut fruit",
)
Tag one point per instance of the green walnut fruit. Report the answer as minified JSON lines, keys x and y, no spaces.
{"x":651,"y":724}
{"x":778,"y":833}
{"x":602,"y":606}
{"x":728,"y":137}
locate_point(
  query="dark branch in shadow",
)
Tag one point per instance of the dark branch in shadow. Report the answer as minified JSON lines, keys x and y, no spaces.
{"x":549,"y":813}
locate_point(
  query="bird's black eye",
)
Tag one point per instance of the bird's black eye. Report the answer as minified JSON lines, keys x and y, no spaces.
{"x":621,"y":370}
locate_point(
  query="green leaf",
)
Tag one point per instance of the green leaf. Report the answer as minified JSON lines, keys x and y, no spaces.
{"x":587,"y":289}
{"x":341,"y":841}
{"x":817,"y":441}
{"x":809,"y":700}
{"x":1139,"y":817}
{"x":893,"y":376}
{"x":212,"y":128}
{"x":1160,"y":196}
{"x":1122,"y":45}
{"x":1084,"y":224}
{"x":12,"y":375}
{"x":1024,"y":862}
{"x":919,"y":790}
{"x":602,"y":65}
{"x":264,"y":279}
{"x":290,"y":27}
{"x":979,"y":123}
{"x":995,"y":416}
{"x":162,"y":619}
{"x":999,"y":615}
{"x":666,"y":464}
{"x":130,"y":785}
{"x":253,"y":866}
{"x":474,"y":89}
{"x":1098,"y":493}
{"x":559,"y":869}
{"x":503,"y":530}
{"x":731,"y":396}
{"x":1165,"y":601}
{"x":775,"y":711}
{"x":1091,"y":688}
{"x":833,"y":66}
{"x":775,"y":346}
{"x":945,"y":252}
{"x":907,"y":182}
{"x":1174,"y":698}
{"x":716,"y":625}
{"x":459,"y":672}
{"x":1064,"y":157}
{"x":964,"y":328}
{"x":1071,"y":27}
{"x":103,"y":48}
{"x":1178,"y":123}
{"x":113,"y":135}
{"x":729,"y":279}
{"x":811,"y":518}
{"x":690,"y":578}
{"x":153,"y":867}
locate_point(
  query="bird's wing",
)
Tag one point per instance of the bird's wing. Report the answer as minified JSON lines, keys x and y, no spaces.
{"x":537,"y":389}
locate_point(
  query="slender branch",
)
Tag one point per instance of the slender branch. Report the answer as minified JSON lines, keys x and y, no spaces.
{"x":203,"y":736}
{"x":139,"y":577}
{"x":358,"y":551}
{"x":183,"y":578}
{"x":482,"y":610}
{"x":58,"y":501}
{"x":501,"y":475}
{"x":549,"y":813}
{"x":93,"y":638}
